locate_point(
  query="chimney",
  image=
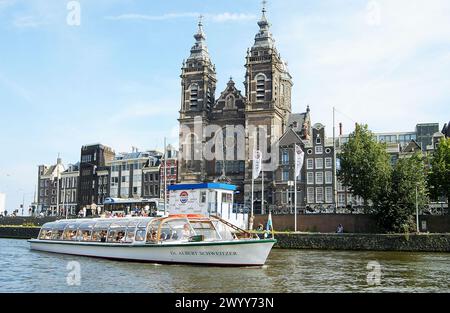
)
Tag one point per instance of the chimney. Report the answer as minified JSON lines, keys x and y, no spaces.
{"x":340,"y":129}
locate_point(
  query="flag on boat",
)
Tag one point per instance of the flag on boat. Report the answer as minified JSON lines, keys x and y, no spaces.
{"x":269,"y":222}
{"x":299,"y":157}
{"x":257,"y":163}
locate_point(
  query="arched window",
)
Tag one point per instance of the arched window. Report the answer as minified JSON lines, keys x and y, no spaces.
{"x":194,"y":95}
{"x":260,"y":87}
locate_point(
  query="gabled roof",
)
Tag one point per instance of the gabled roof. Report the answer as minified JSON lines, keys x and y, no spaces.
{"x":412,"y":146}
{"x":289,"y":137}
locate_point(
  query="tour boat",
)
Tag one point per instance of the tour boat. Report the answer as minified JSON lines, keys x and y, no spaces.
{"x":198,"y":230}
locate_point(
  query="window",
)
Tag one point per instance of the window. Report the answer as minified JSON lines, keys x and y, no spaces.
{"x":319,"y":149}
{"x":310,"y":195}
{"x":319,"y":178}
{"x":310,"y":164}
{"x":349,"y":198}
{"x":328,"y":195}
{"x":319,"y":195}
{"x":260,"y":87}
{"x":309,"y":151}
{"x":310,"y":178}
{"x":327,"y":150}
{"x":285,"y":175}
{"x":285,"y":157}
{"x":328,"y":178}
{"x":328,"y":162}
{"x":319,"y":163}
{"x":340,"y":187}
{"x":194,"y":95}
{"x":341,"y":199}
{"x":318,"y":140}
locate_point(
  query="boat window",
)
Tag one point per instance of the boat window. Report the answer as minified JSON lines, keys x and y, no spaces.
{"x":140,"y":234}
{"x":176,"y":229}
{"x":205,"y":228}
{"x":100,"y":231}
{"x":116,"y":232}
{"x":153,"y":230}
{"x":58,"y":231}
{"x":85,"y":231}
{"x":70,"y":232}
{"x":46,"y":231}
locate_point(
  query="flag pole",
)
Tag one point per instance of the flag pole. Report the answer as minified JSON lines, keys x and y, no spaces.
{"x":295,"y":189}
{"x":262,"y":191}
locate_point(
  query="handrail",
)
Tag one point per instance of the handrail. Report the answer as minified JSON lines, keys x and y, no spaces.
{"x":247,"y":234}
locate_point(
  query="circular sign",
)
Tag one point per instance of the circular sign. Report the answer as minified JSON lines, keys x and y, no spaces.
{"x":184,"y":196}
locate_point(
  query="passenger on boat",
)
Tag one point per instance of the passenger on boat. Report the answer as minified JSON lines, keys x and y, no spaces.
{"x":103,"y":236}
{"x":186,"y":231}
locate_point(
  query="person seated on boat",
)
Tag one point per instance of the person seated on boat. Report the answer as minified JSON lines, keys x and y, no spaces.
{"x":85,"y":236}
{"x":174,"y":235}
{"x":186,"y":231}
{"x":103,"y":236}
{"x":120,"y":236}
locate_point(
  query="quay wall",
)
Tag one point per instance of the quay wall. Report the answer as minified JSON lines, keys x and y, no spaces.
{"x":26,"y":220}
{"x":368,"y":242}
{"x":18,"y":232}
{"x":352,"y":223}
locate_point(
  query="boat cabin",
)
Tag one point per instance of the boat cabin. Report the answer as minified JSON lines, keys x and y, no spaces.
{"x":142,"y":230}
{"x":209,"y":199}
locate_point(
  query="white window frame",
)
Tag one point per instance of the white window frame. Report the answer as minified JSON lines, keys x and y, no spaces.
{"x":318,"y":149}
{"x":310,"y":195}
{"x":328,"y":177}
{"x":319,"y":163}
{"x":310,"y":164}
{"x":319,"y":191}
{"x":319,"y":178}
{"x":328,"y":194}
{"x":310,"y":178}
{"x":328,"y":163}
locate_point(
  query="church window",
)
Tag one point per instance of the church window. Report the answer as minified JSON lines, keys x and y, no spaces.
{"x":194,"y":94}
{"x":209,"y":97}
{"x":260,"y":87}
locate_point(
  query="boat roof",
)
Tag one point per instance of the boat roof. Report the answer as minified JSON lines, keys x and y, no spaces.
{"x":202,"y":186}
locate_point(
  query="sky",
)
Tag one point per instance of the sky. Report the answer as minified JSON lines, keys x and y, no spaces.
{"x":110,"y":74}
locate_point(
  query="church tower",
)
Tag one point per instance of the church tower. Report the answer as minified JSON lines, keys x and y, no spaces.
{"x":268,"y":87}
{"x":198,"y":85}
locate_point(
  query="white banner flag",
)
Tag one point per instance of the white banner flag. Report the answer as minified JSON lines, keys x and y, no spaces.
{"x":299,"y":156}
{"x":257,"y":163}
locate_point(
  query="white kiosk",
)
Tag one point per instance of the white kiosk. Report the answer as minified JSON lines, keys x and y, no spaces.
{"x":206,"y":199}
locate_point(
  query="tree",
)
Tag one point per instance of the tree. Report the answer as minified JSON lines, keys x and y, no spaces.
{"x":396,"y":209}
{"x":439,"y":175}
{"x":365,"y":165}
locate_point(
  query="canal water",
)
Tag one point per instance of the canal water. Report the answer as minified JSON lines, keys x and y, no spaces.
{"x":22,"y":270}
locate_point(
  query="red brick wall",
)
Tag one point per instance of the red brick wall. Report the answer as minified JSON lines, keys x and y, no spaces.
{"x":353,"y":223}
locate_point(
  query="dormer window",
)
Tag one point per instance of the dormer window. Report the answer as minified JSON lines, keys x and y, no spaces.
{"x":260,"y":87}
{"x":318,"y":140}
{"x":194,"y":95}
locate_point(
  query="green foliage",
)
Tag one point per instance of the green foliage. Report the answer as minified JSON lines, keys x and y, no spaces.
{"x":439,"y":175}
{"x":365,"y":165}
{"x":397,"y":208}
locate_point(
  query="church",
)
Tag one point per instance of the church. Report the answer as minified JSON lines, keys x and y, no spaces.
{"x":218,"y":135}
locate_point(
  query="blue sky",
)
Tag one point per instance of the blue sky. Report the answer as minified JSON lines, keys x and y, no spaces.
{"x":115,"y":78}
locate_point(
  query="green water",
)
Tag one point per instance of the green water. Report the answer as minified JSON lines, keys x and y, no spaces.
{"x":22,"y":270}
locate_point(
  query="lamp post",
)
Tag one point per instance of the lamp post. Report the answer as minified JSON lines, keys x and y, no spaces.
{"x":417,"y":212}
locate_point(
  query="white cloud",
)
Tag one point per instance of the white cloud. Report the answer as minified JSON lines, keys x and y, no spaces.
{"x":219,"y":17}
{"x":28,"y":22}
{"x":390,"y":73}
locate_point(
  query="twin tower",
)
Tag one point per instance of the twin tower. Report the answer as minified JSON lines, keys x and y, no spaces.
{"x":228,"y":123}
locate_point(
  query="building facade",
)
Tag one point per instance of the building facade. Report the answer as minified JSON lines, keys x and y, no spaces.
{"x":151,"y":183}
{"x":68,"y":199}
{"x":168,"y":171}
{"x":47,"y":196}
{"x":236,"y":124}
{"x":127,"y":174}
{"x":93,"y":157}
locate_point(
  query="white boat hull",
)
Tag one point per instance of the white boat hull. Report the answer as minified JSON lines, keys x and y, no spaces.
{"x":230,"y":253}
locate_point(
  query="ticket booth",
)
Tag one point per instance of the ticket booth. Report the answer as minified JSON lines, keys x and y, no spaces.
{"x":206,"y":199}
